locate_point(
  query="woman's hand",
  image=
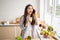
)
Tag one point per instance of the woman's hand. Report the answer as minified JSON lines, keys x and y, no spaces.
{"x":26,"y":25}
{"x":29,"y":19}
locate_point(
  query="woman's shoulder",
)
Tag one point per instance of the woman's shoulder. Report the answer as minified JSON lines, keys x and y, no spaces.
{"x":22,"y":16}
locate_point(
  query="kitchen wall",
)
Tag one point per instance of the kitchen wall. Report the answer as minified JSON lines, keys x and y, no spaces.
{"x":10,"y":9}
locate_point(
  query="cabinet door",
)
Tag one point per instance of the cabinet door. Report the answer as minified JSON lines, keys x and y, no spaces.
{"x":18,"y":31}
{"x":7,"y":33}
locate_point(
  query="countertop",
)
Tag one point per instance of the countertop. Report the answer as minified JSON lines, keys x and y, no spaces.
{"x":7,"y":25}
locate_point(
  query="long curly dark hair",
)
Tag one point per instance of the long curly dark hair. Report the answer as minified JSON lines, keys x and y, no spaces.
{"x":25,"y":15}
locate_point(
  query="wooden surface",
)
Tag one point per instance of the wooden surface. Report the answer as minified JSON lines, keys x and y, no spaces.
{"x":9,"y":32}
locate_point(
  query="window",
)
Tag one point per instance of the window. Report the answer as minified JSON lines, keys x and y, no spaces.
{"x":49,"y":6}
{"x":57,"y":7}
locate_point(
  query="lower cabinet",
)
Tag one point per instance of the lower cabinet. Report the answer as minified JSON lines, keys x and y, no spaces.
{"x":9,"y":33}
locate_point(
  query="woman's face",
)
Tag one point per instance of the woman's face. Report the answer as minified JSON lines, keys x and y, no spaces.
{"x":30,"y":10}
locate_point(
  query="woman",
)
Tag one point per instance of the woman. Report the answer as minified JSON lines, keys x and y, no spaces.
{"x":29,"y":23}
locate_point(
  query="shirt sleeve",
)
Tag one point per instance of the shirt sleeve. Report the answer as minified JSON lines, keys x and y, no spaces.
{"x":21,"y":23}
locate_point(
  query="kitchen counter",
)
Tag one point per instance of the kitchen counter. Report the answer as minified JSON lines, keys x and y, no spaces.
{"x":12,"y":30}
{"x":9,"y":31}
{"x":7,"y":25}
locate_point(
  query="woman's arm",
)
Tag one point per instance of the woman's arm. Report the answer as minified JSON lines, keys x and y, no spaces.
{"x":21,"y":22}
{"x":36,"y":19}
